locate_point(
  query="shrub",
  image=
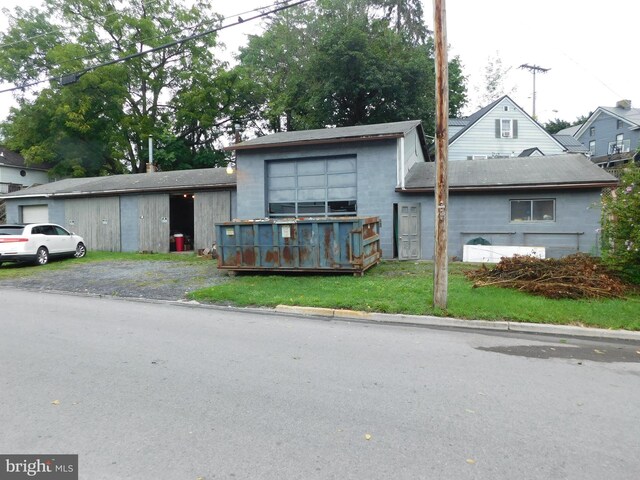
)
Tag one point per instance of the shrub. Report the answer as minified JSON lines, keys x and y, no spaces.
{"x":621,"y":226}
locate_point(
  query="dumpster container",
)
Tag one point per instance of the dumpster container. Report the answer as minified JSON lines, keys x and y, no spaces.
{"x":335,"y":244}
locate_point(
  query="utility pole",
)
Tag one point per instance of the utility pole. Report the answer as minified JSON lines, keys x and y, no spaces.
{"x":533,"y":69}
{"x":440,"y":271}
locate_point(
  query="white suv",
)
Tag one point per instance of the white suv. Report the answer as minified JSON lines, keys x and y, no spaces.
{"x":37,"y":242}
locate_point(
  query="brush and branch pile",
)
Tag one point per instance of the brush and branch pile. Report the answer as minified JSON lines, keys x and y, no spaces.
{"x":575,"y":276}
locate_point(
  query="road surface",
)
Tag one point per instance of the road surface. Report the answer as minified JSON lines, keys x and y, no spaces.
{"x":149,"y":390}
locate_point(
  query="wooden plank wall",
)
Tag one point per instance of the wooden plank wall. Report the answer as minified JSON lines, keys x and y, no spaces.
{"x":209,"y":208}
{"x":97,"y":220}
{"x":153,"y":211}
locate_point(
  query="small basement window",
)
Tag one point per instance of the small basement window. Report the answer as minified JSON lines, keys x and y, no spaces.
{"x":542,"y":210}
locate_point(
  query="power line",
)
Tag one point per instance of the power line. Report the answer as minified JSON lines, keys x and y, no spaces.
{"x":74,"y":76}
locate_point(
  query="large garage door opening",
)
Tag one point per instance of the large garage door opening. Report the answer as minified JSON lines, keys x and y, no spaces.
{"x":181,"y":222}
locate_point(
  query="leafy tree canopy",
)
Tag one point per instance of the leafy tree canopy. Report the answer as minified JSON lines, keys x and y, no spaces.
{"x":342,"y":63}
{"x":101,"y":123}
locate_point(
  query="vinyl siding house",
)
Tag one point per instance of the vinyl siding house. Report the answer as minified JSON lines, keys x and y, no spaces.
{"x":501,"y":129}
{"x":611,"y":131}
{"x":15,"y":174}
{"x":382,"y":170}
{"x":130,"y":213}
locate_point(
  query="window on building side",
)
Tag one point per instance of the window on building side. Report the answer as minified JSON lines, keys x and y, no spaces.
{"x":592,"y":147}
{"x":506,"y":130}
{"x":592,"y":131}
{"x":619,"y":124}
{"x":541,"y":210}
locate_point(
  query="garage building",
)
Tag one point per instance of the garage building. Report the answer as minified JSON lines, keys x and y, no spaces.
{"x":133,"y":213}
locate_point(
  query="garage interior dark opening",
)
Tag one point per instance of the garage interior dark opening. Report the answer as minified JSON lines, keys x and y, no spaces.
{"x":181,"y":222}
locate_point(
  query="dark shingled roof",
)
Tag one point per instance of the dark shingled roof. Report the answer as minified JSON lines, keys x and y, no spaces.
{"x":201,"y":179}
{"x":13,"y":159}
{"x":333,"y":135}
{"x":560,"y":171}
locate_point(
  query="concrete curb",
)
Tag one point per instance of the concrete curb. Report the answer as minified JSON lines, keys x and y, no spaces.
{"x":445,"y":322}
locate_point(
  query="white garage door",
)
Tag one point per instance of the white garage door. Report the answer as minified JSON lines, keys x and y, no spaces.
{"x":35,"y":214}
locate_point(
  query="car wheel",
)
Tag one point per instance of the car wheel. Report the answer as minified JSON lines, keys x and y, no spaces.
{"x":81,"y":250}
{"x":42,"y":257}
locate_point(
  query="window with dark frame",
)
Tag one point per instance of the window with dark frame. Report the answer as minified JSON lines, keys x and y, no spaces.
{"x":619,"y":124}
{"x":312,"y":187}
{"x":592,"y":131}
{"x":533,"y":210}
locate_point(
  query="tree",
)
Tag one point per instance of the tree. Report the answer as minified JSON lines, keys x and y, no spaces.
{"x":340,"y":64}
{"x":494,"y":78}
{"x":554,"y":126}
{"x":101,"y":123}
{"x":620,"y":225}
{"x":406,"y":18}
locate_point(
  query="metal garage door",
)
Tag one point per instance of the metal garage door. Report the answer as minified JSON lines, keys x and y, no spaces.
{"x":35,"y":213}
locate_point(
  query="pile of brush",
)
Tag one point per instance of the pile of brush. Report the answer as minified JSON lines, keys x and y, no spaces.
{"x":575,"y":276}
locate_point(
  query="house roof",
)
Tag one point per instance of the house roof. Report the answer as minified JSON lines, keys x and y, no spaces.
{"x":10,"y":158}
{"x":179,"y":180}
{"x":629,"y":115}
{"x":358,"y":133}
{"x":554,"y":171}
{"x":571,"y":143}
{"x":527,"y":152}
{"x":458,"y":122}
{"x":473,"y":119}
{"x":569,"y":130}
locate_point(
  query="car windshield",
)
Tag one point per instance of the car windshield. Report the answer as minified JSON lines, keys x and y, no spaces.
{"x":11,"y":230}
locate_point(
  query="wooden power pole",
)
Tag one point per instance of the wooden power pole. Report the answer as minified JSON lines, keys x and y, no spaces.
{"x":440,"y":273}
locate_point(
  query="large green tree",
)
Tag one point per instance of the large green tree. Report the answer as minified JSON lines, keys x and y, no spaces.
{"x":342,"y":63}
{"x":99,"y":122}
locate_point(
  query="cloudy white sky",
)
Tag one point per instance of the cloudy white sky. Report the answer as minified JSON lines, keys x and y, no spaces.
{"x":588,"y":45}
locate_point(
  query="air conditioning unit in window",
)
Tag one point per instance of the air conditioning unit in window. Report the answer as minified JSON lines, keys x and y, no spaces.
{"x":506,"y":134}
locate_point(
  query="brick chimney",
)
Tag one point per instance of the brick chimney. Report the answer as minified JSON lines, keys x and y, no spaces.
{"x":625,"y":104}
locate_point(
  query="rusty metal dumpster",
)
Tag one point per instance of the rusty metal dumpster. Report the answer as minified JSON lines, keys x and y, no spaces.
{"x":337,"y":244}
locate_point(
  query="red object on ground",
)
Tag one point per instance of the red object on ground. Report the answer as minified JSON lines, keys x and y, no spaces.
{"x":179,"y":242}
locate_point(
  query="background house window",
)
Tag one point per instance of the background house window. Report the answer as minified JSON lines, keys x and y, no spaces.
{"x":541,"y":210}
{"x":619,"y":124}
{"x":312,"y":187}
{"x":592,"y":131}
{"x":620,"y":145}
{"x":592,"y":147}
{"x":506,"y":128}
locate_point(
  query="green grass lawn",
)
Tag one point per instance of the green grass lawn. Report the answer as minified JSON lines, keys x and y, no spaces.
{"x":406,"y":287}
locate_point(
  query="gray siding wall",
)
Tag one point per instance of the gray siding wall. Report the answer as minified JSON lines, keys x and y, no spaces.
{"x":481,"y":139}
{"x":488,"y":215}
{"x":153,"y":213}
{"x":605,"y":131}
{"x":209,"y":208}
{"x":97,"y":220}
{"x":376,"y":180}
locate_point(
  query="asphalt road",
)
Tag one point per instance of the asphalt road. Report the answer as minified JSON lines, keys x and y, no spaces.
{"x":149,"y":390}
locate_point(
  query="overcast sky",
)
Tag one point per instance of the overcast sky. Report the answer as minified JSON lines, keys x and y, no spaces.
{"x":588,"y":46}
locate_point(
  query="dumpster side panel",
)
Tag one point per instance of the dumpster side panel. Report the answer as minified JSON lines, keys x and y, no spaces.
{"x":325,"y":244}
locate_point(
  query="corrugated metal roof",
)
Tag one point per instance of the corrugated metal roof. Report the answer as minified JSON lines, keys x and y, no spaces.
{"x":569,"y":130}
{"x":329,"y":135}
{"x":206,"y":178}
{"x":518,"y":172}
{"x":571,"y":143}
{"x":458,"y":122}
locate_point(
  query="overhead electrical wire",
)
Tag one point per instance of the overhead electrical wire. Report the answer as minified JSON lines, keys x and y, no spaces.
{"x":70,"y":78}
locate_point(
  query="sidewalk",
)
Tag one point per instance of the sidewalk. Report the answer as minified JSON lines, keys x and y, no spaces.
{"x":430,"y":321}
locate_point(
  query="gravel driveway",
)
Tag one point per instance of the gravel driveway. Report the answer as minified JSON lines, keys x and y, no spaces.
{"x":155,"y":279}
